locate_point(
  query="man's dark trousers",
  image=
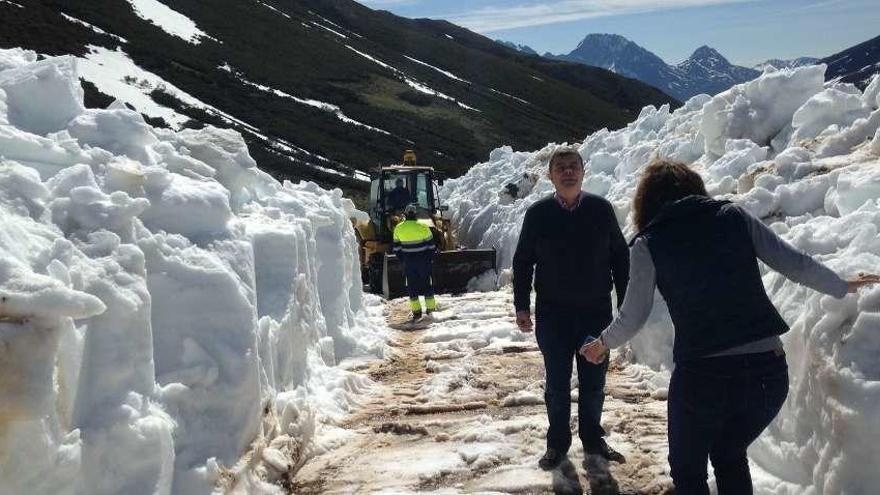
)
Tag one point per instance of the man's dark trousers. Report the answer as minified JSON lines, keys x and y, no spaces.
{"x":559,"y":332}
{"x":417,"y":267}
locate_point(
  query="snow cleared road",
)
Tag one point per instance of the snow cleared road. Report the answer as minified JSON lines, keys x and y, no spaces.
{"x":459,"y":409}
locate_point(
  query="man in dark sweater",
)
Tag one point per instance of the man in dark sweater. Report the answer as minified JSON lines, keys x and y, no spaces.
{"x":571,"y":243}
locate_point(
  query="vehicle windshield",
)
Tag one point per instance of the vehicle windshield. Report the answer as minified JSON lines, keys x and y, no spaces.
{"x":402,"y":189}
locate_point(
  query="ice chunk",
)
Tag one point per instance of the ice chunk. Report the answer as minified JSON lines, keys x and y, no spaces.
{"x":42,"y":97}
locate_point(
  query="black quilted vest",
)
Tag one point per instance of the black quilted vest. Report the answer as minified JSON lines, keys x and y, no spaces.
{"x":707,"y":272}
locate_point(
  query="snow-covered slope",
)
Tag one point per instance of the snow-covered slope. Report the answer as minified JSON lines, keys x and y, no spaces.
{"x":168,"y":19}
{"x":800,"y":153}
{"x":857,"y":64}
{"x":165,"y":306}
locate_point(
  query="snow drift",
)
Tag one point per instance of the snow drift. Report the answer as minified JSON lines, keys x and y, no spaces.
{"x":165,"y":306}
{"x":799,"y":153}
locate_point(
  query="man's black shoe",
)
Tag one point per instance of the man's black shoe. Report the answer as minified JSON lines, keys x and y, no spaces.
{"x":602,"y":449}
{"x":551,"y":459}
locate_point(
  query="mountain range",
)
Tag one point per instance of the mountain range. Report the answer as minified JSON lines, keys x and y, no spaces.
{"x":705,"y":71}
{"x":324,"y":90}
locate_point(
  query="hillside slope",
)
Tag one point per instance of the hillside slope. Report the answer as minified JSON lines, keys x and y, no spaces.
{"x":324,"y":88}
{"x":857,"y":64}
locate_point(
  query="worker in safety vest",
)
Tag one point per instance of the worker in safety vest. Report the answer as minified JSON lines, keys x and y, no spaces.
{"x":414,"y":246}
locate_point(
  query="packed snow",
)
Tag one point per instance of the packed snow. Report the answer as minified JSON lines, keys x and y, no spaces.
{"x":170,"y":315}
{"x":803,"y":155}
{"x":168,"y":20}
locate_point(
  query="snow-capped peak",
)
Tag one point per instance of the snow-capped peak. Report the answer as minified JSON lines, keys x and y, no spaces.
{"x":707,"y":55}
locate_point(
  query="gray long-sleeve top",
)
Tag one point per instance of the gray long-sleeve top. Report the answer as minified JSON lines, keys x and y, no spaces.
{"x":770,"y":248}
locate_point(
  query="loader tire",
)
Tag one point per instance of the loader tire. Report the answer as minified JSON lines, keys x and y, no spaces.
{"x":375,"y":275}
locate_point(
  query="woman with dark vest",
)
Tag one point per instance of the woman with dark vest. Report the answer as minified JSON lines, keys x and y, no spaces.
{"x":730,"y":378}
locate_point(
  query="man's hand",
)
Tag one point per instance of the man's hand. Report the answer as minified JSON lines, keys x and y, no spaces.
{"x":594,"y":351}
{"x":862,"y":280}
{"x":524,"y":321}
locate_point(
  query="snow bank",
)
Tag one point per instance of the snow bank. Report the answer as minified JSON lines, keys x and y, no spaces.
{"x":165,"y":306}
{"x":802,"y":154}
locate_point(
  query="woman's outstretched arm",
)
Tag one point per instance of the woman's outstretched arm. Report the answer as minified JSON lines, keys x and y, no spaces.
{"x":799,"y":266}
{"x":792,"y":262}
{"x":638,"y":300}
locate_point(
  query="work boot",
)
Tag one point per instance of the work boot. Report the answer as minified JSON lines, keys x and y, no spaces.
{"x":551,"y":459}
{"x":417,"y":315}
{"x":602,"y":449}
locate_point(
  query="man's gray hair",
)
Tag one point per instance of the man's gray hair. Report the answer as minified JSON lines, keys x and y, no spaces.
{"x":565,"y":151}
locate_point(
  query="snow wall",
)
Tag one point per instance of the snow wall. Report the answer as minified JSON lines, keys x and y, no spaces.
{"x":166,"y":308}
{"x":800,"y":153}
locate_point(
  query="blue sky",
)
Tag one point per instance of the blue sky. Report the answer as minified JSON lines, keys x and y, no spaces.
{"x":745,"y":31}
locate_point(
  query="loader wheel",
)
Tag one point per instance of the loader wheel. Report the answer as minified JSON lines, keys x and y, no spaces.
{"x":375,"y":275}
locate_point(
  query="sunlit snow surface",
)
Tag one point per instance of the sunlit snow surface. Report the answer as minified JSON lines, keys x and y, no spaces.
{"x":803,"y":155}
{"x":169,"y":20}
{"x":165,"y":306}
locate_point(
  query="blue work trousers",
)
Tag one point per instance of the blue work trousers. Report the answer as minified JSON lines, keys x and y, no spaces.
{"x":418,"y":267}
{"x":718,"y":406}
{"x":559,"y":333}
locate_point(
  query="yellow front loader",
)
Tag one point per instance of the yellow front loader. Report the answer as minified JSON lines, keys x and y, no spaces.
{"x":391,"y":189}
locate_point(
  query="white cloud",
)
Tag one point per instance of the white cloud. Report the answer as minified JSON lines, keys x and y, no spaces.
{"x":498,"y":18}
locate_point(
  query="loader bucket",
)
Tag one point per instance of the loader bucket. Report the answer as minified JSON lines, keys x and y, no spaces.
{"x":452,"y":271}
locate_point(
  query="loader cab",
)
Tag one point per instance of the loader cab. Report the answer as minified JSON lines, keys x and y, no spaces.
{"x":392,"y":188}
{"x":381,"y":270}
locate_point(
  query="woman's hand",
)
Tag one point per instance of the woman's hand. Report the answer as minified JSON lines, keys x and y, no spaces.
{"x":594,"y":351}
{"x":862,"y":280}
{"x":524,"y":321}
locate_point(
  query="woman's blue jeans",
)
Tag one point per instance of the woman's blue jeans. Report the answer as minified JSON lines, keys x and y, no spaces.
{"x":717,"y":407}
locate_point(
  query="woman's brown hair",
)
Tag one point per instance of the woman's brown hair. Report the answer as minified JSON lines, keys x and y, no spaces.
{"x":662,"y":182}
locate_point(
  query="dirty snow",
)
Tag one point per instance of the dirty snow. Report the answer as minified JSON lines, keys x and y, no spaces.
{"x":459,"y":408}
